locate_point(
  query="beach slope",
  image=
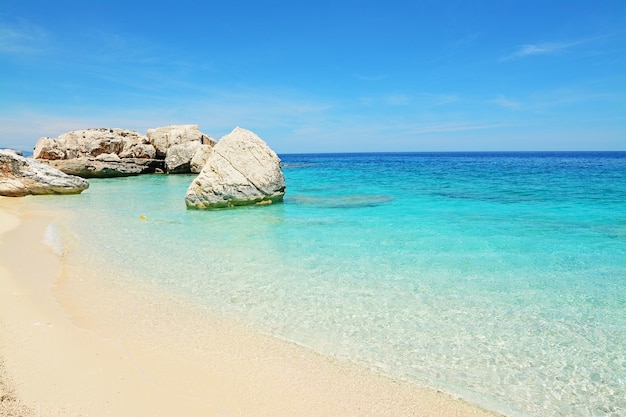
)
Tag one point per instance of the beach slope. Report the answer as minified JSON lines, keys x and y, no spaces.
{"x":73,"y":344}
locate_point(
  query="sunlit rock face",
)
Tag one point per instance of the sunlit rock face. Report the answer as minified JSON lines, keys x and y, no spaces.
{"x":102,"y":152}
{"x":241,"y":170}
{"x":21,"y":176}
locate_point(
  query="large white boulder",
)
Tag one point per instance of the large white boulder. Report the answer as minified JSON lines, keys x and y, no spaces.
{"x":21,"y":176}
{"x":241,"y":170}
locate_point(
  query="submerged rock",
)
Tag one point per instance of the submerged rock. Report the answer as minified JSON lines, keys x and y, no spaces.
{"x":241,"y":170}
{"x":21,"y":176}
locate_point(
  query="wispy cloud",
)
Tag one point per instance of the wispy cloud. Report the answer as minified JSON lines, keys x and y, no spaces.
{"x":546,"y":48}
{"x":391,"y":99}
{"x":419,"y":100}
{"x":565,"y":97}
{"x":216,"y":113}
{"x":454,"y":127}
{"x":23,"y":38}
{"x":376,"y":134}
{"x":441,"y":99}
{"x":557,"y":47}
{"x":507,"y":103}
{"x":398,"y":100}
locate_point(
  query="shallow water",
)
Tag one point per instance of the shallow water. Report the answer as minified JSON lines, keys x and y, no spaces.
{"x":501,"y":277}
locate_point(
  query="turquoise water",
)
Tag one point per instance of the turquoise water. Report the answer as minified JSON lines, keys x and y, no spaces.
{"x":499,"y":277}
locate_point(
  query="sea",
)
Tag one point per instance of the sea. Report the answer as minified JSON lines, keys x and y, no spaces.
{"x":497,"y":277}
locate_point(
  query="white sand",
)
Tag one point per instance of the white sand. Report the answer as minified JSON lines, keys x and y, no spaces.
{"x":75,"y":344}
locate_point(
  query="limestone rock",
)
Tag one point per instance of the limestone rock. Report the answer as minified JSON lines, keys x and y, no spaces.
{"x":241,"y":170}
{"x":138,"y":148}
{"x":106,"y":167}
{"x":117,"y":152}
{"x":178,"y":158}
{"x":108,"y":157}
{"x":48,"y":148}
{"x":21,"y":176}
{"x":162,"y":138}
{"x":200,"y":158}
{"x":99,"y":153}
{"x":88,"y":143}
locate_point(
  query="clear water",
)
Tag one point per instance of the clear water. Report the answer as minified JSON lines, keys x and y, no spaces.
{"x":500,"y":277}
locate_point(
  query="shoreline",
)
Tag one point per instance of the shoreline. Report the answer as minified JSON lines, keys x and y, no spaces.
{"x":73,"y":343}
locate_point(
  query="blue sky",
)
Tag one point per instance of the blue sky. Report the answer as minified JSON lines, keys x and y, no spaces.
{"x":321,"y":76}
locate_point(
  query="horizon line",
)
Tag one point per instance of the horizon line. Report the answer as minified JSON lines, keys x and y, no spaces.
{"x":431,"y":152}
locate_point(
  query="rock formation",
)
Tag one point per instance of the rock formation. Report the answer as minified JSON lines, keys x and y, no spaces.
{"x":21,"y":176}
{"x":99,"y":153}
{"x":178,"y":158}
{"x":119,"y":152}
{"x":139,"y":150}
{"x":107,"y":167}
{"x":93,"y":142}
{"x":178,"y":145}
{"x":162,"y":138}
{"x":200,"y":158}
{"x":241,"y":170}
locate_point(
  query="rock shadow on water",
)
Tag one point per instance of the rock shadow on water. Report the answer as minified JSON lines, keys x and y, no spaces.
{"x":295,"y":165}
{"x":342,"y":201}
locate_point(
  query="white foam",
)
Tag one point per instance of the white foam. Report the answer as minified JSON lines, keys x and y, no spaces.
{"x":52,"y":237}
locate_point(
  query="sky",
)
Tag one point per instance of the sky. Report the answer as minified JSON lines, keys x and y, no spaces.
{"x":321,"y":76}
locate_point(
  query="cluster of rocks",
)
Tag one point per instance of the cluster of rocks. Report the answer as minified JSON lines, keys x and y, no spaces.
{"x":101,"y":153}
{"x":240,"y":169}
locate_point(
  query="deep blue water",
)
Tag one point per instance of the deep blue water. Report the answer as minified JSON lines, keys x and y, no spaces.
{"x":497,"y":276}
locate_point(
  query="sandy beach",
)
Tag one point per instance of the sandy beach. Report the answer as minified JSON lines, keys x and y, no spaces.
{"x":73,"y":344}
